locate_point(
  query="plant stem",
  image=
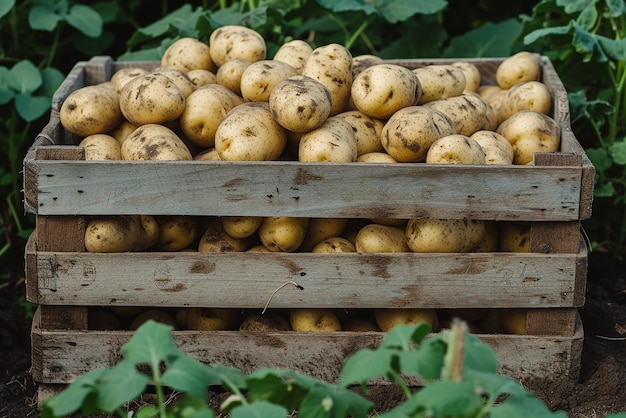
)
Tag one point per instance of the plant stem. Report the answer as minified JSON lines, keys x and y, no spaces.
{"x":350,"y":41}
{"x":400,"y":381}
{"x":54,"y":47}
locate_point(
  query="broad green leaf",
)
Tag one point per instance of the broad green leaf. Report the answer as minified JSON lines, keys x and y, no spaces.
{"x":266,"y":385}
{"x":604,"y":190}
{"x":229,"y":376}
{"x":494,"y":384}
{"x":5,"y":7}
{"x":618,"y":152}
{"x":478,"y":355}
{"x":616,"y":415}
{"x":367,"y":364}
{"x":162,"y":26}
{"x":187,"y":375}
{"x":85,"y":19}
{"x":588,"y":17}
{"x":616,"y":7}
{"x":152,"y":54}
{"x":70,"y":400}
{"x":260,"y":409}
{"x":6,"y":96}
{"x":43,"y":18}
{"x":147,"y":411}
{"x":31,"y":108}
{"x":119,"y":385}
{"x":585,"y":43}
{"x":317,"y":404}
{"x":108,"y":11}
{"x":403,"y":336}
{"x":350,"y":404}
{"x":449,"y":399}
{"x":600,"y":159}
{"x":574,"y":6}
{"x":151,"y":344}
{"x":400,"y":10}
{"x":523,"y":407}
{"x":614,"y":48}
{"x":545,"y":32}
{"x":427,"y":361}
{"x":431,"y":35}
{"x":488,"y":40}
{"x":339,"y":6}
{"x":52,"y":79}
{"x":26,"y":76}
{"x":190,"y":407}
{"x":329,"y":401}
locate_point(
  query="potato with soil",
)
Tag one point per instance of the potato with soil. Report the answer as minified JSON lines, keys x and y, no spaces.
{"x":361,"y":62}
{"x":498,"y":150}
{"x":444,"y":235}
{"x":376,"y":157}
{"x":259,"y":79}
{"x":518,"y":68}
{"x":367,"y":131}
{"x":101,"y":147}
{"x":233,"y":41}
{"x":439,"y":81}
{"x":530,"y":132}
{"x":334,"y":245}
{"x":388,"y":318}
{"x":123,"y":75}
{"x":294,"y":53}
{"x":154,"y":142}
{"x":241,"y":226}
{"x":468,"y":112}
{"x":330,"y":65}
{"x":151,"y":98}
{"x":381,"y":90}
{"x":250,"y":133}
{"x":320,"y":229}
{"x":121,"y":233}
{"x":205,"y":109}
{"x":90,"y":110}
{"x":314,"y":320}
{"x":201,"y":77}
{"x":471,"y":73}
{"x":188,"y":54}
{"x":409,"y":133}
{"x":377,"y":238}
{"x":514,"y":236}
{"x":176,"y":232}
{"x":531,"y":95}
{"x":333,"y":141}
{"x":212,"y":319}
{"x":300,"y":103}
{"x":283,"y":233}
{"x":455,"y":149}
{"x":178,"y":77}
{"x":214,"y":239}
{"x":230,"y":73}
{"x":267,"y":321}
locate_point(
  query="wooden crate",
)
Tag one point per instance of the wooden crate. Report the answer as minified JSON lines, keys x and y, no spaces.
{"x":63,"y":190}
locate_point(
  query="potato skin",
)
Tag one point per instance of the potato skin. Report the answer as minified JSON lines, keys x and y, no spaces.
{"x":366,"y":131}
{"x":233,"y":41}
{"x":188,"y":54}
{"x":334,"y":245}
{"x":380,"y":90}
{"x":439,"y":81}
{"x":101,"y":147}
{"x":333,"y":141}
{"x":472,"y":75}
{"x":294,"y":53}
{"x":176,"y":232}
{"x":520,"y":67}
{"x":121,"y":233}
{"x":259,"y":79}
{"x":455,"y":149}
{"x":241,"y":226}
{"x":229,"y":74}
{"x":123,"y":75}
{"x":154,"y":142}
{"x":444,"y":235}
{"x":530,"y":95}
{"x":300,"y":103}
{"x":467,"y":112}
{"x":283,"y":233}
{"x":214,"y":239}
{"x":152,"y":98}
{"x":90,"y":110}
{"x":530,"y":132}
{"x":377,"y":238}
{"x":498,"y":150}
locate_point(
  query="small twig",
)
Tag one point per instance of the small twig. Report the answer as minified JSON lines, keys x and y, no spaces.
{"x":275,"y":291}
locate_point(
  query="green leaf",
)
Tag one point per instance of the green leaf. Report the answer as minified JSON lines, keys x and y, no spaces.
{"x":6,"y":96}
{"x":152,"y":54}
{"x":26,"y":76}
{"x":604,"y":190}
{"x":403,"y":336}
{"x":5,"y":7}
{"x":366,"y":364}
{"x":339,"y":6}
{"x":478,"y":355}
{"x":400,"y":10}
{"x":187,"y":375}
{"x":317,"y":404}
{"x":70,"y":400}
{"x":488,"y":40}
{"x":573,"y":6}
{"x":614,"y":48}
{"x":545,"y":32}
{"x":523,"y":407}
{"x":495,"y":385}
{"x":427,"y":361}
{"x":618,"y":152}
{"x":119,"y":385}
{"x":616,"y":415}
{"x":588,"y":17}
{"x":190,"y":407}
{"x":600,"y":159}
{"x":43,"y":18}
{"x":52,"y":78}
{"x":267,"y":385}
{"x":616,"y":7}
{"x":147,"y":411}
{"x":260,"y":409}
{"x":229,"y":375}
{"x":85,"y":19}
{"x":31,"y":108}
{"x":586,"y":43}
{"x":151,"y":344}
{"x":449,"y":399}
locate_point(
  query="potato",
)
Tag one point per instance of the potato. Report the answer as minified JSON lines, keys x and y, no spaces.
{"x":376,"y":238}
{"x":300,"y":103}
{"x":176,"y":232}
{"x":376,"y":157}
{"x":250,"y":133}
{"x":212,"y":319}
{"x":409,"y":133}
{"x":121,"y":233}
{"x":101,"y":147}
{"x":200,"y":77}
{"x":334,"y":245}
{"x":333,"y":141}
{"x":359,"y":324}
{"x":178,"y":77}
{"x":497,"y":149}
{"x":233,"y":41}
{"x":439,"y":81}
{"x":514,"y":236}
{"x":314,"y":320}
{"x":491,"y":94}
{"x":258,"y":249}
{"x":490,"y":242}
{"x":121,"y":131}
{"x":455,"y":149}
{"x":530,"y":132}
{"x":361,"y":62}
{"x":471,"y":73}
{"x":208,"y":154}
{"x":518,"y":68}
{"x":90,"y":110}
{"x":467,"y":112}
{"x":214,"y":239}
{"x":188,"y":54}
{"x":513,"y":320}
{"x":241,"y":226}
{"x":381,"y":90}
{"x":154,"y":142}
{"x":367,"y":131}
{"x":268,"y":321}
{"x":531,"y":95}
{"x":330,"y":65}
{"x":123,"y":75}
{"x":259,"y":79}
{"x":294,"y":53}
{"x":230,"y":73}
{"x":388,"y":318}
{"x":151,"y":98}
{"x":157,"y":315}
{"x":320,"y":229}
{"x":444,"y":235}
{"x":283,"y":233}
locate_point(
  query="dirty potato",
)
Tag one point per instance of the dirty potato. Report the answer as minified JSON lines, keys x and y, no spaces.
{"x":233,"y":41}
{"x":90,"y":110}
{"x":530,"y":132}
{"x":101,"y":147}
{"x":333,"y":141}
{"x":455,"y":149}
{"x":294,"y":53}
{"x":439,"y":81}
{"x":154,"y":142}
{"x":259,"y":79}
{"x":188,"y":54}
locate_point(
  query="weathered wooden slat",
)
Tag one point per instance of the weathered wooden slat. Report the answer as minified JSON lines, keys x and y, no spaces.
{"x":329,"y":280}
{"x":307,"y":189}
{"x":321,"y":355}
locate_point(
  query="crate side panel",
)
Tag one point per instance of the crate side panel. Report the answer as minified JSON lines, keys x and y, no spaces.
{"x":332,"y":280}
{"x":308,"y":189}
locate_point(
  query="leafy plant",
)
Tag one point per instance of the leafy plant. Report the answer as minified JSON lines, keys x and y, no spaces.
{"x":586,"y":40}
{"x":459,"y":372}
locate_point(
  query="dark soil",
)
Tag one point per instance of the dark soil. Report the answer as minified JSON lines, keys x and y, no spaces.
{"x":600,"y":390}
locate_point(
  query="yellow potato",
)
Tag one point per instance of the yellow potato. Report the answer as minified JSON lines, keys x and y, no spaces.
{"x":121,"y":233}
{"x":188,"y":54}
{"x":490,"y":242}
{"x":439,"y":81}
{"x":518,"y":68}
{"x":154,"y":142}
{"x":410,"y":132}
{"x":455,"y":149}
{"x":178,"y":77}
{"x":361,"y":62}
{"x":320,"y":229}
{"x":229,"y":74}
{"x":208,"y":154}
{"x":472,"y":75}
{"x":90,"y":110}
{"x":212,"y":319}
{"x":314,"y":320}
{"x":514,"y":237}
{"x":268,"y":321}
{"x":283,"y":233}
{"x":497,"y":149}
{"x":294,"y":53}
{"x":377,"y":238}
{"x":233,"y":41}
{"x":513,"y":321}
{"x":530,"y":95}
{"x":530,"y":132}
{"x":366,"y":130}
{"x":333,"y":141}
{"x":241,"y":226}
{"x":214,"y":239}
{"x":151,"y":98}
{"x":200,"y":77}
{"x":259,"y":79}
{"x":388,"y":318}
{"x":376,"y":157}
{"x":176,"y":232}
{"x":467,"y":112}
{"x":444,"y":235}
{"x":101,"y":147}
{"x":123,"y":75}
{"x":121,"y":131}
{"x":334,"y":245}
